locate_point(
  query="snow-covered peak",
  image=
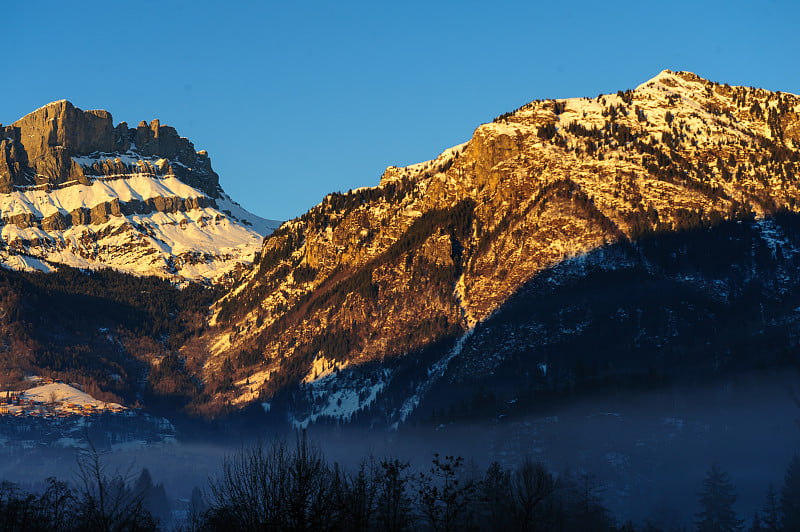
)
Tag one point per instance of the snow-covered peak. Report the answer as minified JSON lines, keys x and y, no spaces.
{"x":53,"y":103}
{"x":675,"y":79}
{"x":445,"y":155}
{"x":665,"y":75}
{"x":139,"y":200}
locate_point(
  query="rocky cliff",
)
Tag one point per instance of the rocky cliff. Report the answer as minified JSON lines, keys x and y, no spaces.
{"x":41,"y":148}
{"x":76,"y":189}
{"x":401,"y":271}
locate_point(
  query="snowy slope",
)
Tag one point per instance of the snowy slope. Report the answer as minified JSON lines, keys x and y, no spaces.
{"x":42,"y":203}
{"x":199,"y":243}
{"x":64,"y":393}
{"x":57,"y":397}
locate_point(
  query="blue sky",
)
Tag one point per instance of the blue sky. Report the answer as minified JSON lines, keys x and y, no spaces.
{"x":297,"y":99}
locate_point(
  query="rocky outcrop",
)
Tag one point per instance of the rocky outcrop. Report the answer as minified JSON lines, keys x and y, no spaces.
{"x":49,"y":137}
{"x":103,"y":212}
{"x":56,"y":222}
{"x":38,"y":149}
{"x":154,"y":140}
{"x":13,"y":159}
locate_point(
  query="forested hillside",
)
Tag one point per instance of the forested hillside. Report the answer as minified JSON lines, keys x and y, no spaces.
{"x":103,"y":329}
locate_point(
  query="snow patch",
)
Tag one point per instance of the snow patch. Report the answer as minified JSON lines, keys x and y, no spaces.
{"x":342,"y":403}
{"x":263,"y":226}
{"x":435,"y":372}
{"x":24,"y":263}
{"x":774,"y":237}
{"x":321,"y":368}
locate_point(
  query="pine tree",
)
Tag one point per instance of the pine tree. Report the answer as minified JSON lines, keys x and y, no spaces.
{"x":716,"y":500}
{"x":771,"y":520}
{"x":756,"y":525}
{"x":790,"y":496}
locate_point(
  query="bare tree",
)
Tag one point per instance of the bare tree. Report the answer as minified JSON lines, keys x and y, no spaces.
{"x":393,"y":505}
{"x":309,"y":476}
{"x":361,"y":504}
{"x":108,"y":502}
{"x":17,"y":509}
{"x":531,"y":484}
{"x":57,"y":504}
{"x":252,"y":490}
{"x":272,"y":488}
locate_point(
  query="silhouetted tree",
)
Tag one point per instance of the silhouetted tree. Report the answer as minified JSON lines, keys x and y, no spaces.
{"x":445,"y":494}
{"x":361,"y":498}
{"x":716,"y":501}
{"x":309,"y":482}
{"x":531,"y":485}
{"x":57,"y":505}
{"x":581,"y":507}
{"x":154,"y":497}
{"x":17,"y":509}
{"x":756,"y":525}
{"x":790,"y":495}
{"x":108,"y":502}
{"x":197,"y":508}
{"x":495,"y":496}
{"x":393,"y":511}
{"x":771,"y":513}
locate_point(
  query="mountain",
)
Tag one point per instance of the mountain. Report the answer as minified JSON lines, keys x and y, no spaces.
{"x":99,"y":227}
{"x":620,"y":240}
{"x":79,"y":191}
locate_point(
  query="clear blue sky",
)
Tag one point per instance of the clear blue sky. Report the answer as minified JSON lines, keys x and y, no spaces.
{"x":297,"y":99}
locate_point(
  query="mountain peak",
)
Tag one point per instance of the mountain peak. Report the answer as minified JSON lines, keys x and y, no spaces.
{"x":70,"y":175}
{"x":667,"y":77}
{"x":59,"y":103}
{"x":50,"y":146}
{"x":56,"y":103}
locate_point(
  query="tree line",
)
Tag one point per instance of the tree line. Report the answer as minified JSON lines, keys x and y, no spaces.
{"x":292,"y":486}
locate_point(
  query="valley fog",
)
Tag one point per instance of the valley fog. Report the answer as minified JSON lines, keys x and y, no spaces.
{"x":646,"y":452}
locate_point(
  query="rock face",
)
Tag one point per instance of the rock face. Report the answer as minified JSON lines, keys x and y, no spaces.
{"x":39,"y":148}
{"x":387,"y":273}
{"x":75,"y":189}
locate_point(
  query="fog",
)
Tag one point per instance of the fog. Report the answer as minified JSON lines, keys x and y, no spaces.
{"x":647,"y":451}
